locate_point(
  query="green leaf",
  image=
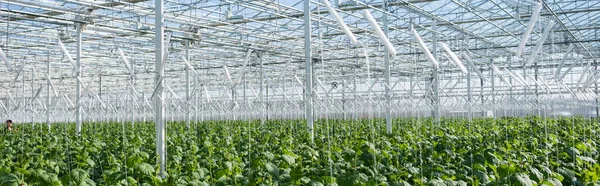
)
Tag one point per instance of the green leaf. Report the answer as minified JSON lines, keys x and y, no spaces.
{"x":90,"y":162}
{"x":506,"y":170}
{"x":77,"y":176}
{"x":8,"y":179}
{"x":273,"y":170}
{"x":436,"y":182}
{"x":521,"y":179}
{"x":288,"y":159}
{"x":566,"y":173}
{"x":145,"y":169}
{"x":536,"y":174}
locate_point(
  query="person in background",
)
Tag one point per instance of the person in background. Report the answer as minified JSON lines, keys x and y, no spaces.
{"x":9,"y":127}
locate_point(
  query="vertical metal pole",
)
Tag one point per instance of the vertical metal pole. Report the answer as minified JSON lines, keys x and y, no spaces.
{"x":386,"y":58}
{"x":48,"y":92}
{"x":158,"y":104}
{"x":24,"y":98}
{"x":481,"y":93}
{"x":32,"y":116}
{"x":262,"y":88}
{"x":244,"y":92}
{"x":355,"y":115}
{"x":537,"y":99}
{"x":308,"y":62}
{"x":469,"y":94}
{"x":492,"y":79}
{"x":187,"y":86}
{"x":436,"y":83}
{"x":596,"y":92}
{"x":197,"y":99}
{"x":132,"y":81}
{"x":78,"y":93}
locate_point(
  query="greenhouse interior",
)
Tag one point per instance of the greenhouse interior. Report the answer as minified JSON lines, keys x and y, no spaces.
{"x":299,"y":92}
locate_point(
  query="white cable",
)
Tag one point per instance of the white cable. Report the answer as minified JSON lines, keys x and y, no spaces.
{"x":386,"y":42}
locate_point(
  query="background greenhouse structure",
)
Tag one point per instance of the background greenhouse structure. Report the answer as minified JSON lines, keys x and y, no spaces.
{"x":411,"y":73}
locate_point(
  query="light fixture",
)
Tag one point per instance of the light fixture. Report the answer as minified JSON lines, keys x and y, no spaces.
{"x":534,"y":16}
{"x":340,"y":21}
{"x":424,"y":48}
{"x":454,"y":58}
{"x":386,"y":42}
{"x":67,"y":55}
{"x":125,"y":60}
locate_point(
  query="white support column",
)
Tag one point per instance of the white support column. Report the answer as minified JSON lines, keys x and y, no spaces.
{"x":386,"y":58}
{"x":262,"y":88}
{"x":436,"y":83}
{"x":78,"y":89}
{"x":132,"y":94}
{"x":197,"y":98}
{"x":159,"y":72}
{"x":308,"y":62}
{"x":469,"y":93}
{"x":23,"y":101}
{"x":48,"y":92}
{"x":492,"y":79}
{"x":32,"y":115}
{"x":187,"y":86}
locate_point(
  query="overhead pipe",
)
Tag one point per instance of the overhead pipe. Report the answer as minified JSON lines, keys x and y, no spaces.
{"x":424,"y":48}
{"x":534,"y":81}
{"x":522,"y":79}
{"x":207,"y":95}
{"x":473,"y":66}
{"x":228,"y":75}
{"x":18,"y":74}
{"x":534,"y":17}
{"x":545,"y":84}
{"x":246,"y":60}
{"x":5,"y":59}
{"x":384,"y":39}
{"x":583,"y":74}
{"x":298,"y":81}
{"x":454,"y":58}
{"x":125,"y":60}
{"x":189,"y":66}
{"x":51,"y":85}
{"x":514,"y":77}
{"x":522,"y":83}
{"x":4,"y":107}
{"x":540,"y":43}
{"x":592,"y":78}
{"x":499,"y":74}
{"x":67,"y":55}
{"x":340,"y":22}
{"x":562,"y":61}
